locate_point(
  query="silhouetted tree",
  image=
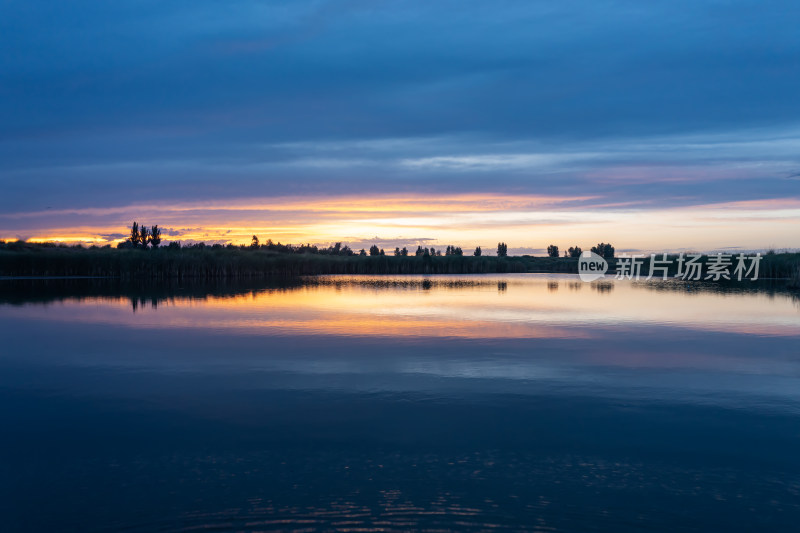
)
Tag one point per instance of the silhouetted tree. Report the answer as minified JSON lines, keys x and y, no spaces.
{"x":374,"y":250}
{"x":155,"y":236}
{"x":362,"y":252}
{"x":143,"y":236}
{"x":502,"y":249}
{"x":404,"y":252}
{"x":254,"y":242}
{"x":574,"y":251}
{"x":397,"y":251}
{"x":134,"y":238}
{"x":477,"y":252}
{"x":420,"y":251}
{"x":552,"y":250}
{"x":604,"y":250}
{"x":382,"y":252}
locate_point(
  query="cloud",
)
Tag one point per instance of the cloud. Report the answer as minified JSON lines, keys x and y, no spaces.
{"x":389,"y":244}
{"x":527,"y":223}
{"x":628,"y":106}
{"x":495,"y":162}
{"x":113,"y":236}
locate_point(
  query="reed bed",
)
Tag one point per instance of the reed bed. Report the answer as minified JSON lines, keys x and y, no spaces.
{"x":24,"y":259}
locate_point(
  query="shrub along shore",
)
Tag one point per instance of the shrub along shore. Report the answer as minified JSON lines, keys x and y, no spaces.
{"x":233,"y":262}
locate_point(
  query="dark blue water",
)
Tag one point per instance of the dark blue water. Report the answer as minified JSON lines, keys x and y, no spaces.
{"x":528,"y":403}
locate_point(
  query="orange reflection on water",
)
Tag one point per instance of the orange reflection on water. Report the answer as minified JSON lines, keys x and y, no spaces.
{"x":511,"y":306}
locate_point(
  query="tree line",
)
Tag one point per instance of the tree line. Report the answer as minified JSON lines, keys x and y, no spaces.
{"x":603,"y":249}
{"x":143,"y":237}
{"x":20,"y":258}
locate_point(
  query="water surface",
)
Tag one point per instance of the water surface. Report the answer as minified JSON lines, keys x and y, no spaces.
{"x":447,"y":403}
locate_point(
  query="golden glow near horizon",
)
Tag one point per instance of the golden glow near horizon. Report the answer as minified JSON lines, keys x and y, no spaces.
{"x":468,"y":220}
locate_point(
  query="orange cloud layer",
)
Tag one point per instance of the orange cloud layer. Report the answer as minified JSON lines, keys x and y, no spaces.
{"x":525,"y":221}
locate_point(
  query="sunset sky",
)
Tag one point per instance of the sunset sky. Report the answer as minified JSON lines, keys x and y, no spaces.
{"x":653,"y":125}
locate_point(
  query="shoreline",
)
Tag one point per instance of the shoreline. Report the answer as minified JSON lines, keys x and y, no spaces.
{"x":208,"y":263}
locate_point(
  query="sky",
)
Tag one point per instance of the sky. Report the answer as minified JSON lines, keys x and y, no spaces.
{"x":653,"y":125}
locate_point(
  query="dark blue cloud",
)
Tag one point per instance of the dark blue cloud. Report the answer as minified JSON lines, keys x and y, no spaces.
{"x":106,"y":102}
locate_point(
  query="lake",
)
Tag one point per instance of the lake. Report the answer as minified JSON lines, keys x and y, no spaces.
{"x":519,"y":402}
